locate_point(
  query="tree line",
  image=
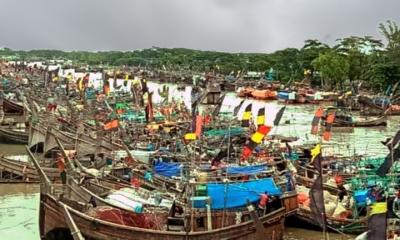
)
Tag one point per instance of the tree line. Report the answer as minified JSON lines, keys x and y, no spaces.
{"x":351,"y":59}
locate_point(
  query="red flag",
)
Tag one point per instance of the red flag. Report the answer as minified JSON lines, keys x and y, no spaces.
{"x":199,"y":124}
{"x":255,"y":140}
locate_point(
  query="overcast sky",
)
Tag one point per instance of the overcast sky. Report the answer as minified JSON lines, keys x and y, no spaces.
{"x":223,"y":25}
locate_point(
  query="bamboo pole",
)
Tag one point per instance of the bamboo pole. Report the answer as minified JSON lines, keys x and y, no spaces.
{"x":42,"y":174}
{"x":75,"y":232}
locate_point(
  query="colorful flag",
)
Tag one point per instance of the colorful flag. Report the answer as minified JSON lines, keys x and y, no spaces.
{"x":316,"y":194}
{"x":246,"y":116}
{"x":316,"y":119}
{"x":261,"y":117}
{"x":190,"y":136}
{"x":255,"y":140}
{"x":328,"y":127}
{"x":377,"y":221}
{"x":199,"y":125}
{"x":197,"y":130}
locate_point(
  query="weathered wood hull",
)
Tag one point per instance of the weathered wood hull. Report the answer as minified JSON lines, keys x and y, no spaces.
{"x":23,"y":171}
{"x":356,"y":226}
{"x":10,"y":107}
{"x":52,"y":218}
{"x":11,"y":136}
{"x":264,"y":94}
{"x":375,"y":122}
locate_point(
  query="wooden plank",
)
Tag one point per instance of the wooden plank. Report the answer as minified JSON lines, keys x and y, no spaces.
{"x":42,"y":174}
{"x":75,"y":232}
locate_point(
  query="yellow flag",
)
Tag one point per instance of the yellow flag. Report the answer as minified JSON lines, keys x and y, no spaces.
{"x":378,"y":208}
{"x":315,"y":151}
{"x":190,"y":136}
{"x":257,"y":137}
{"x":246,"y":115}
{"x":260,"y":120}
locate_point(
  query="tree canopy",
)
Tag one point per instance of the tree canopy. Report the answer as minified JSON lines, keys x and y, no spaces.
{"x":352,"y":58}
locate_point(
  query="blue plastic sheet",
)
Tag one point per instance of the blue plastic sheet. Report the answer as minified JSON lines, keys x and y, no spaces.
{"x":381,"y":101}
{"x":237,"y":194}
{"x":360,"y":196}
{"x":167,"y":169}
{"x":247,"y":170}
{"x":283,"y":95}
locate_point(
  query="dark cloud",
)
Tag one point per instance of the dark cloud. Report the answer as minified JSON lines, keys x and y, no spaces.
{"x":224,"y":25}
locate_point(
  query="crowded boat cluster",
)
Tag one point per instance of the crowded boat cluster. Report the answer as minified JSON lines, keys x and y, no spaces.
{"x":120,"y":154}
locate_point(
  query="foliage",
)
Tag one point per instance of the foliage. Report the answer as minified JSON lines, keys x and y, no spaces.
{"x":333,"y":68}
{"x":354,"y":58}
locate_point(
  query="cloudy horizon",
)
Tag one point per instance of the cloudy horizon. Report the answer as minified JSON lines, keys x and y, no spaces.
{"x":217,"y":25}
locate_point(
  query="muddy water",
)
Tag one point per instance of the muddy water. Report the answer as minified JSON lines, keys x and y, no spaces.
{"x":19,"y":211}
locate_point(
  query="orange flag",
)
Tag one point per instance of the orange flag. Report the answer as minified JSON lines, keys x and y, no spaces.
{"x":111,"y":125}
{"x":329,"y":121}
{"x":316,"y":119}
{"x":199,"y":125}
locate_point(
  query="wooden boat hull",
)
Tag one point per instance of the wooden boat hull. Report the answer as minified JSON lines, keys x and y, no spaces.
{"x":264,"y":95}
{"x":375,"y":122}
{"x":12,"y":136}
{"x":10,"y":107}
{"x":245,"y":93}
{"x":22,"y":171}
{"x":342,"y":225}
{"x":52,"y":218}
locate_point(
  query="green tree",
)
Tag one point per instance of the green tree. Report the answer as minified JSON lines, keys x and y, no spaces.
{"x":332,"y":67}
{"x":311,"y":50}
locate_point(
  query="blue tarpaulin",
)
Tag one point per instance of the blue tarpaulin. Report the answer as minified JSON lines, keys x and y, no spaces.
{"x":360,"y":196}
{"x":247,"y":170}
{"x":237,"y":194}
{"x":283,"y":95}
{"x":167,"y":169}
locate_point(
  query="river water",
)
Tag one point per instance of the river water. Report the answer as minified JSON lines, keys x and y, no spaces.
{"x":19,"y":202}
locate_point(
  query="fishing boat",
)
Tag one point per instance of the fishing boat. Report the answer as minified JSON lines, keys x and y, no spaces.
{"x":264,"y":94}
{"x":12,"y":170}
{"x":373,"y":106}
{"x":12,"y":108}
{"x":361,"y":122}
{"x":340,"y":215}
{"x":13,"y":135}
{"x":286,"y":96}
{"x":335,"y":223}
{"x":197,"y":223}
{"x":343,"y":118}
{"x":245,"y":92}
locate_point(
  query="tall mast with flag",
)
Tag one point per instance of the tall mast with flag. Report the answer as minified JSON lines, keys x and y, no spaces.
{"x":316,"y":194}
{"x":317,"y":204}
